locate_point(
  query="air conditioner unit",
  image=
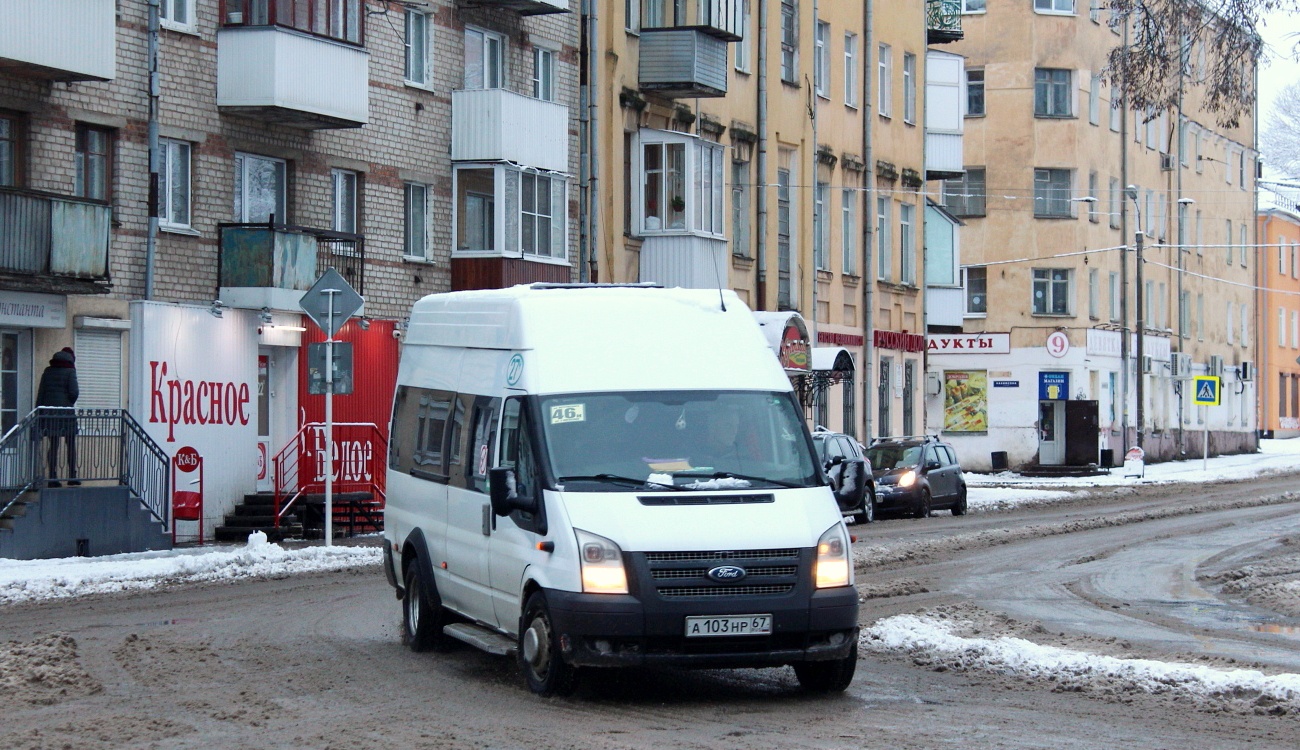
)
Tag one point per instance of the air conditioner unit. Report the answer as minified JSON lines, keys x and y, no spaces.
{"x":1215,"y":367}
{"x":1181,"y":365}
{"x":1246,"y":371}
{"x":1166,"y":162}
{"x":1148,"y":365}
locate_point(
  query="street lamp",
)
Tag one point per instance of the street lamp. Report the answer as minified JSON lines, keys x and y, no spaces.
{"x":1139,"y":318}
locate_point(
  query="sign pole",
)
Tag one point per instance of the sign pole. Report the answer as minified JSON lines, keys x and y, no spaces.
{"x":1205,"y":440}
{"x":329,"y":426}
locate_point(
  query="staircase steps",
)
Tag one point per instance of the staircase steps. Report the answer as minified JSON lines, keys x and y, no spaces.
{"x":256,"y":512}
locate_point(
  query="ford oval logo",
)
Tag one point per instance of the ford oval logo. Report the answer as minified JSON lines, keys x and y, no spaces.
{"x":727,"y":573}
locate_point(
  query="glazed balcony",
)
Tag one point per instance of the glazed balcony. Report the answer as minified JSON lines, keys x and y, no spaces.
{"x":943,"y":21}
{"x":522,"y":7}
{"x":299,"y":63}
{"x":53,"y":243}
{"x":59,"y":40}
{"x":945,"y":74}
{"x":486,"y":126}
{"x":271,"y":265}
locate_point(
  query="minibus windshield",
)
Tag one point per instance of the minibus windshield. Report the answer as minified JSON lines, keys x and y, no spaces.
{"x":666,"y":440}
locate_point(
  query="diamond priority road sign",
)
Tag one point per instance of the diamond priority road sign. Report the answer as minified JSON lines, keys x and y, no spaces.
{"x":1207,"y":390}
{"x":316,"y":302}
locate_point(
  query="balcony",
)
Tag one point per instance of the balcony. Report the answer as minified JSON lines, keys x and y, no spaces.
{"x":687,"y":261}
{"x":53,"y":243}
{"x":943,"y":21}
{"x":682,"y":63}
{"x":944,"y":121}
{"x":59,"y":40}
{"x":271,"y":265}
{"x":290,"y":77}
{"x":487,"y":125}
{"x":522,"y":7}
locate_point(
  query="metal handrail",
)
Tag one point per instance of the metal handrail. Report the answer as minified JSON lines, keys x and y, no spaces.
{"x":110,"y":446}
{"x":290,"y":485}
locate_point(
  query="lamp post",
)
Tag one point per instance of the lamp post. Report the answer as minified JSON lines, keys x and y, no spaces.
{"x":1183,"y":311}
{"x":1139,"y":317}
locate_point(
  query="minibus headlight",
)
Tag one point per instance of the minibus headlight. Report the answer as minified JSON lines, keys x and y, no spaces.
{"x":602,"y":564}
{"x":907,"y":479}
{"x":833,"y":567}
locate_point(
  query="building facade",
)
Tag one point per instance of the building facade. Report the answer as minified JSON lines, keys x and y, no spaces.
{"x":1108,"y":255}
{"x":1279,"y":322}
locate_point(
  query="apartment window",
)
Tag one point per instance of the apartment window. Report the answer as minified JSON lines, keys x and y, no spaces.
{"x":850,"y":415}
{"x":1295,"y":261}
{"x":1231,"y":328}
{"x":177,"y":13}
{"x":663,"y":168}
{"x":1094,"y":293}
{"x":1245,"y":327}
{"x":259,"y":189}
{"x":907,"y":242}
{"x":884,"y":248}
{"x":849,"y":231}
{"x":789,"y":42}
{"x":1051,"y":92}
{"x":632,"y":15}
{"x":538,"y":212}
{"x":973,"y":6}
{"x":1200,"y":317}
{"x":335,"y":19}
{"x":784,"y":229}
{"x":884,"y":83}
{"x":884,"y":397}
{"x":1094,"y":101}
{"x":1051,"y":291}
{"x":1093,"y":214}
{"x":1113,"y":204}
{"x":822,"y":59}
{"x":821,"y":227}
{"x":417,"y":220}
{"x":745,"y":47}
{"x":94,"y":172}
{"x":501,"y":208}
{"x":174,"y":183}
{"x":484,"y":59}
{"x":1200,"y":234}
{"x":1245,"y":255}
{"x":909,"y":87}
{"x":1281,"y":326}
{"x":1295,"y":331}
{"x":1241,"y":169}
{"x":11,"y":149}
{"x":346,"y":200}
{"x":1281,"y":259}
{"x":975,"y":93}
{"x":851,"y":70}
{"x":1227,"y":238}
{"x":1185,"y":315}
{"x":544,"y":74}
{"x":965,"y":196}
{"x":740,"y":209}
{"x":1149,"y":314}
{"x":1054,"y":6}
{"x":1116,"y":113}
{"x":1094,"y":11}
{"x":975,"y":282}
{"x":417,"y":47}
{"x":1052,"y":192}
{"x":1114,"y":296}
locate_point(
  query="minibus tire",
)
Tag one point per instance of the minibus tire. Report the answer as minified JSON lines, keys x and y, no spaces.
{"x":545,"y":669}
{"x":422,"y":614}
{"x":827,"y":676}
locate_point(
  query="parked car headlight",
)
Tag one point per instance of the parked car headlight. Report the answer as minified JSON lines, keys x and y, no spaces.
{"x":833,"y":566}
{"x":602,"y":564}
{"x":907,"y":479}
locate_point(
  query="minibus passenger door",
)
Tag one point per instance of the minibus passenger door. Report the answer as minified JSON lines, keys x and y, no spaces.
{"x":515,"y":536}
{"x":468,"y":515}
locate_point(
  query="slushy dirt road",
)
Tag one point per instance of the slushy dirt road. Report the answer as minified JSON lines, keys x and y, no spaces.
{"x":1198,"y":574}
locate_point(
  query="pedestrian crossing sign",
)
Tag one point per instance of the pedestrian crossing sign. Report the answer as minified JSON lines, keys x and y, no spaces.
{"x":1209,"y":390}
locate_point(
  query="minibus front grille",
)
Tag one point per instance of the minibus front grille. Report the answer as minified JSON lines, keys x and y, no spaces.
{"x":702,"y":573}
{"x":699,"y":592}
{"x":722,"y":557}
{"x":675,"y":499}
{"x":686,"y":574}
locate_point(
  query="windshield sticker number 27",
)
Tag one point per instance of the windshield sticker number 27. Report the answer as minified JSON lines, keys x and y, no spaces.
{"x":568,"y":413}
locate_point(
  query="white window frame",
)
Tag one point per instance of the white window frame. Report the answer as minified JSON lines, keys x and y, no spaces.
{"x":416,"y":53}
{"x":1116,"y":113}
{"x":907,"y":243}
{"x":789,"y":38}
{"x":543,"y":80}
{"x":632,"y":16}
{"x":822,"y":59}
{"x":173,"y":154}
{"x":1045,"y":281}
{"x":884,"y":81}
{"x":1051,"y":94}
{"x":488,"y":41}
{"x":415,"y":220}
{"x":346,"y":203}
{"x":243,"y":161}
{"x":745,"y":47}
{"x":1094,"y":293}
{"x":1049,"y":202}
{"x":1245,"y":326}
{"x":508,"y":188}
{"x":740,"y":213}
{"x":884,"y":247}
{"x":177,"y":15}
{"x":983,"y":89}
{"x":1114,"y":295}
{"x":970,"y":7}
{"x":1295,"y":329}
{"x":1243,"y":234}
{"x":1094,"y":101}
{"x":1281,"y":326}
{"x":822,"y":226}
{"x":1054,"y":7}
{"x":849,"y":231}
{"x":851,"y":70}
{"x":966,"y":274}
{"x":909,"y":88}
{"x":703,"y":194}
{"x":1231,"y":326}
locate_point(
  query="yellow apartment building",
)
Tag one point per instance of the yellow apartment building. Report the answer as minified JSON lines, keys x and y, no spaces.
{"x":1279,"y":322}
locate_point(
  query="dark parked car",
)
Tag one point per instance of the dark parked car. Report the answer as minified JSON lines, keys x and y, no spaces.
{"x":915,"y":475}
{"x":850,"y":474}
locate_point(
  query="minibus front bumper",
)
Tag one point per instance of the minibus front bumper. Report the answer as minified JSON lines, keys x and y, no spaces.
{"x":621,"y":630}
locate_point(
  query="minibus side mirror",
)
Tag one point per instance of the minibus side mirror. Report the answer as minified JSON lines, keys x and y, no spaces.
{"x":501,"y":490}
{"x":850,"y":482}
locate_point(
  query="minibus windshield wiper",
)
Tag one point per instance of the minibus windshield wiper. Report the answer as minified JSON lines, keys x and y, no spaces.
{"x":616,"y":479}
{"x":734,"y":475}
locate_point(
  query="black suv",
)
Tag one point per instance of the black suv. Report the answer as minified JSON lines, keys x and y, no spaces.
{"x":850,"y":474}
{"x":915,"y":475}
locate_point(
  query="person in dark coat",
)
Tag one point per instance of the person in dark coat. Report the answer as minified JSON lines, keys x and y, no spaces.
{"x":59,"y":389}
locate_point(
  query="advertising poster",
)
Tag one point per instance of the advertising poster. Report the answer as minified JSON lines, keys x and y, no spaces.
{"x":965,"y":401}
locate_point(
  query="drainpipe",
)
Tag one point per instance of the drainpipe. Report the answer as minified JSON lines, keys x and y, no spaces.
{"x":818,"y":216}
{"x":868,"y":224}
{"x":584,"y":141}
{"x":593,"y":138}
{"x":1183,"y":210}
{"x":760,"y":163}
{"x":153,"y":85}
{"x":1123,"y":267}
{"x":1260,"y":276}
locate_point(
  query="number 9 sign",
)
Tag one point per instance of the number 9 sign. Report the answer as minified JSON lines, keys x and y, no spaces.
{"x":1058,"y":344}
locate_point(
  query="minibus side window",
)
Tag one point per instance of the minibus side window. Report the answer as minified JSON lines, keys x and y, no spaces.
{"x":518,"y":452}
{"x":421,"y":428}
{"x":456,"y":435}
{"x":482,"y":435}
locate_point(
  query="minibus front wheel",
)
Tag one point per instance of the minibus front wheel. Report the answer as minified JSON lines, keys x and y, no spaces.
{"x":545,"y":669}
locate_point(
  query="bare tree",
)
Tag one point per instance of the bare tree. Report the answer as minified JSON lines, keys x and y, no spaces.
{"x":1171,"y":45}
{"x":1279,"y":140}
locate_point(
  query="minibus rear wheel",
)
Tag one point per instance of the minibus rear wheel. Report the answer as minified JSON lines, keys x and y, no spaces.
{"x":545,"y":669}
{"x":422,"y":617}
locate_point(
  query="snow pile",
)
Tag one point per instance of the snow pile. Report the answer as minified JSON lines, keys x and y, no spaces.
{"x":29,"y":580}
{"x":934,"y":640}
